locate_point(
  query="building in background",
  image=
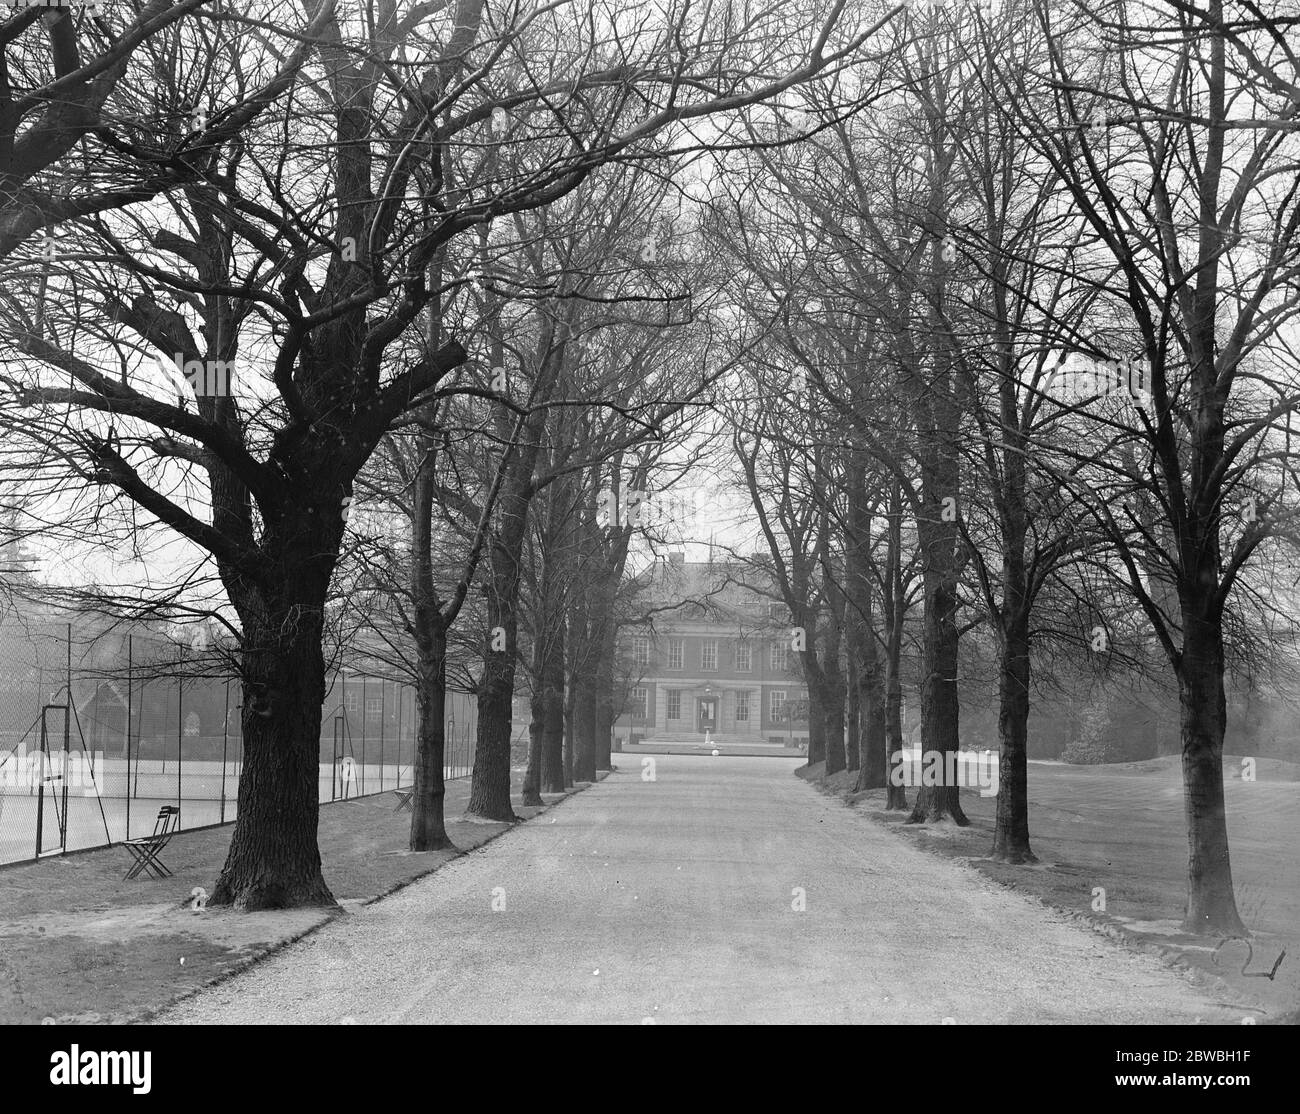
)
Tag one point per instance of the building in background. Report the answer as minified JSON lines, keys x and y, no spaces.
{"x":713,"y":661}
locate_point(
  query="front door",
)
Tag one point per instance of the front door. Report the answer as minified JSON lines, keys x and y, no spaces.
{"x":708,"y":713}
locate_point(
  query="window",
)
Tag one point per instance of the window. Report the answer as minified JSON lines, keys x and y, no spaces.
{"x":776,"y":701}
{"x":744,"y":657}
{"x":638,"y":703}
{"x":780,"y":660}
{"x":709,"y":656}
{"x":675,"y":653}
{"x":351,"y":701}
{"x":778,"y":611}
{"x":192,"y":724}
{"x":641,"y":651}
{"x":374,"y":705}
{"x":742,"y":707}
{"x":674,"y":704}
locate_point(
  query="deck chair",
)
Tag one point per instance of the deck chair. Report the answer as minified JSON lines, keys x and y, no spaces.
{"x":146,"y":849}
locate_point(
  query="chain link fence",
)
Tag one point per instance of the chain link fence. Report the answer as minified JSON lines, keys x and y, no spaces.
{"x":98,"y":731}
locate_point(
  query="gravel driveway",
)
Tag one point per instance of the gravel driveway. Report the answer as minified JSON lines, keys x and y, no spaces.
{"x":678,"y":900}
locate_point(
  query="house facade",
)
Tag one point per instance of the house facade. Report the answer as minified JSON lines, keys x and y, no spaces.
{"x":714,"y":663}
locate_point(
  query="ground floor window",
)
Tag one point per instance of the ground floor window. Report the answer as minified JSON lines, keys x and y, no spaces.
{"x":674,"y":704}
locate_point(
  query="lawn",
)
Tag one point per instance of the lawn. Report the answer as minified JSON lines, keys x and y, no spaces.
{"x":78,"y":944}
{"x":1120,"y":828}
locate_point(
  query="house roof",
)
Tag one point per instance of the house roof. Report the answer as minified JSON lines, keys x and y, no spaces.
{"x":704,"y":591}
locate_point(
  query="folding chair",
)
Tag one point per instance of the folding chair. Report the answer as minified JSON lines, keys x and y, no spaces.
{"x":404,"y":799}
{"x":146,"y":849}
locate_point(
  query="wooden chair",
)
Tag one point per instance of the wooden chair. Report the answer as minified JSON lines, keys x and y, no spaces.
{"x":146,"y":849}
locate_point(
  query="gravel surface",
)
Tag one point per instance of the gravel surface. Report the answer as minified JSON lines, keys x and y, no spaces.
{"x":675,"y":900}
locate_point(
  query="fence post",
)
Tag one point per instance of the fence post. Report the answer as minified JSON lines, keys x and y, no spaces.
{"x":40,"y":783}
{"x":383,"y":714}
{"x":134,"y":789}
{"x":365,"y":715}
{"x":129,"y":678}
{"x":67,"y":740}
{"x":401,"y":693}
{"x":180,"y":727}
{"x":225,"y":740}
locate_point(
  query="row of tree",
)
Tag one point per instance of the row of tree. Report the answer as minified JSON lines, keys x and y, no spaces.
{"x":1027,"y":352}
{"x":408,"y":227}
{"x":491,"y":278}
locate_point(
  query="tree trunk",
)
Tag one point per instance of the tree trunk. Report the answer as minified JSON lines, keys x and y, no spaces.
{"x":853,"y":719}
{"x":816,"y":727}
{"x":584,"y":729}
{"x":896,"y":795}
{"x":553,"y":724}
{"x":866,"y":682}
{"x":1211,"y":904}
{"x":604,"y":691}
{"x":582,"y":707}
{"x":937,"y":536}
{"x":833,"y":703}
{"x":489,"y":795}
{"x":429,"y":790}
{"x":274,"y":860}
{"x":1011,"y":829}
{"x":938,"y":424}
{"x":833,"y":717}
{"x":939,"y":703}
{"x":873,"y":768}
{"x":895,"y":599}
{"x":570,"y":698}
{"x":873,"y":765}
{"x":532,"y":788}
{"x":428,"y":801}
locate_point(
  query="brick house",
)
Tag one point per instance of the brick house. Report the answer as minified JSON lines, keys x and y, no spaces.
{"x":718,"y":661}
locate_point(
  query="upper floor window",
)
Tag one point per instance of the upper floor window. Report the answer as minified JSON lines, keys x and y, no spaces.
{"x":675,"y":653}
{"x":374,"y":705}
{"x":778,"y":611}
{"x":709,"y":655}
{"x":744,"y":657}
{"x":351,"y":701}
{"x":641,"y":651}
{"x":780,"y":659}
